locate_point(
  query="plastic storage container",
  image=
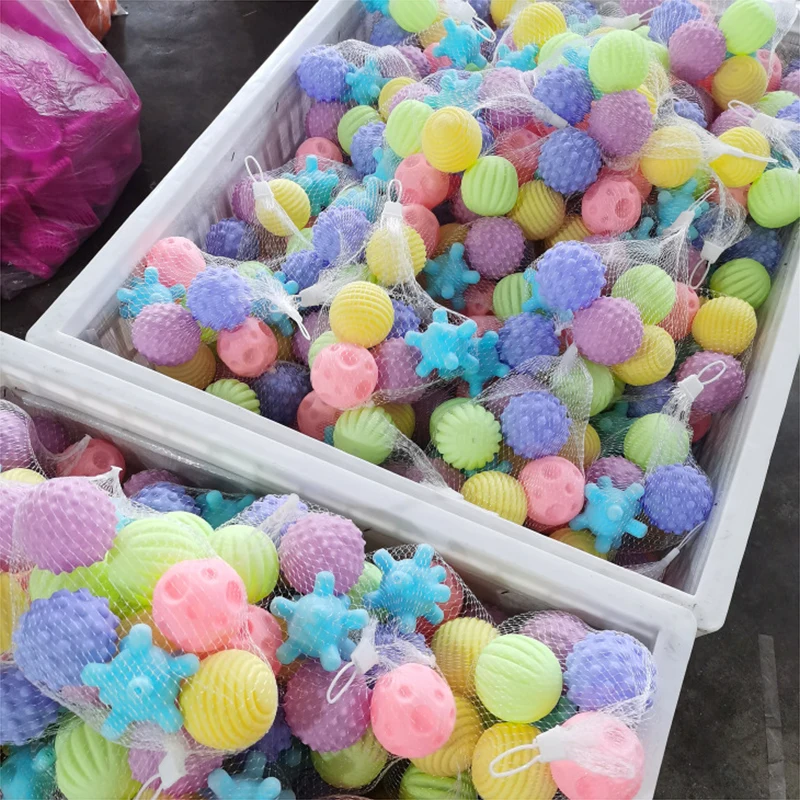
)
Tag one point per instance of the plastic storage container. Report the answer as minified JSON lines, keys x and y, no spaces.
{"x":265,"y":119}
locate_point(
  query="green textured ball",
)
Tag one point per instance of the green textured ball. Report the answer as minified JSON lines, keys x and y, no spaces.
{"x":418,"y":785}
{"x":42,"y":583}
{"x":554,"y":46}
{"x":367,"y":433}
{"x":572,"y":387}
{"x":564,"y":710}
{"x":660,"y":53}
{"x":404,"y":127}
{"x":369,"y":581}
{"x":299,"y":241}
{"x":192,"y":520}
{"x":490,"y":186}
{"x":354,"y":119}
{"x":468,"y":436}
{"x":656,"y":440}
{"x":747,"y":25}
{"x":772,"y":102}
{"x":743,"y":278}
{"x":603,"y":388}
{"x":236,"y":392}
{"x":509,"y":295}
{"x":773,"y":198}
{"x":442,"y":409}
{"x":252,"y":554}
{"x":320,"y":343}
{"x":353,"y":767}
{"x":414,"y":15}
{"x":619,"y":61}
{"x":650,"y":289}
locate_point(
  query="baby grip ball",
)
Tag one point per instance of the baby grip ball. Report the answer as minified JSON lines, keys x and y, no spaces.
{"x":537,"y":23}
{"x":405,"y":125}
{"x":772,"y":199}
{"x":539,"y":210}
{"x":650,"y":289}
{"x":414,"y":16}
{"x":290,"y":210}
{"x":367,"y":433}
{"x":252,"y":554}
{"x":489,"y":187}
{"x":670,"y":156}
{"x":554,"y":488}
{"x":499,"y":493}
{"x":354,"y":766}
{"x":422,"y":183}
{"x":451,"y":139}
{"x":249,"y":349}
{"x":418,"y":785}
{"x":351,"y":121}
{"x":736,"y":171}
{"x":743,"y":278}
{"x":389,"y":90}
{"x":392,"y":260}
{"x":344,"y":375}
{"x":725,"y":325}
{"x":747,"y":25}
{"x":651,"y":362}
{"x":361,"y":313}
{"x":655,"y":440}
{"x":740,"y":78}
{"x":619,"y":61}
{"x":510,"y":293}
{"x":457,"y":645}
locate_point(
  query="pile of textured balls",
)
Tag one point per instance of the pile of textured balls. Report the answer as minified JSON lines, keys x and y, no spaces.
{"x":157,"y":638}
{"x":546,"y":169}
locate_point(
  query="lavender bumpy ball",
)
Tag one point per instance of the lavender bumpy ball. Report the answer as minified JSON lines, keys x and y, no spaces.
{"x":535,"y":424}
{"x":59,"y":635}
{"x":405,"y":320}
{"x":166,"y":334}
{"x":527,"y":335}
{"x":15,"y":443}
{"x":648,"y":399}
{"x":147,"y":477}
{"x":277,"y":739}
{"x":686,"y":109}
{"x":323,"y":119}
{"x":566,"y":91}
{"x":559,"y":630}
{"x":166,"y":497}
{"x":339,"y":233}
{"x":621,"y":123}
{"x":570,"y":276}
{"x":677,"y":498}
{"x":52,"y":435}
{"x":365,"y":140}
{"x":416,"y":58}
{"x":496,"y":94}
{"x":11,"y":495}
{"x":262,"y":509}
{"x":696,"y":50}
{"x":621,"y":471}
{"x":609,"y":331}
{"x":732,"y":118}
{"x":304,"y":267}
{"x":280,"y":391}
{"x":243,"y":204}
{"x":219,"y":298}
{"x":762,"y":245}
{"x":495,"y":247}
{"x":386,"y":32}
{"x":718,"y":394}
{"x":569,"y":160}
{"x":322,"y":72}
{"x":232,"y":238}
{"x":668,"y":17}
{"x":25,"y":712}
{"x":397,"y":377}
{"x":791,"y":82}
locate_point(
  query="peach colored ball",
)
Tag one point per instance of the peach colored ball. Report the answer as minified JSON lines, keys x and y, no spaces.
{"x":421,"y":182}
{"x":314,"y":415}
{"x":96,"y":458}
{"x":177,"y":259}
{"x":678,"y":322}
{"x":424,"y":222}
{"x":520,"y":147}
{"x":248,"y":350}
{"x":344,"y":375}
{"x":317,"y":146}
{"x":554,"y":489}
{"x":611,"y":205}
{"x":487,"y":322}
{"x":261,"y":635}
{"x":643,"y":186}
{"x":478,"y":298}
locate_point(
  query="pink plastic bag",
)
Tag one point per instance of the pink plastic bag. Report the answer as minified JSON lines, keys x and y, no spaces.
{"x":69,"y":136}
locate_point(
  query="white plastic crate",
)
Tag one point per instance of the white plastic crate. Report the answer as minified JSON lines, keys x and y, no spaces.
{"x":266,"y":119}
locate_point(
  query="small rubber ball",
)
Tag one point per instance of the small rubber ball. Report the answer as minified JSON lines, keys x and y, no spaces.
{"x":322,"y":72}
{"x":677,"y":498}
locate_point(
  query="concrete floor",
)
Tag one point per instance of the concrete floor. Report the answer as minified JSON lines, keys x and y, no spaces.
{"x":186,"y":60}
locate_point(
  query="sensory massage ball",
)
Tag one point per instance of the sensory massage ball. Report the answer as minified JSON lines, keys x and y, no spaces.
{"x":344,"y":375}
{"x":741,"y":78}
{"x":353,"y":120}
{"x":451,"y":139}
{"x":736,"y":171}
{"x":653,"y":360}
{"x":489,"y":187}
{"x":396,"y":257}
{"x":619,"y":61}
{"x":314,"y":416}
{"x":727,"y":386}
{"x":166,"y":334}
{"x":397,"y":377}
{"x":499,"y":493}
{"x":25,"y":712}
{"x":177,"y":259}
{"x":655,"y":440}
{"x":621,"y":471}
{"x":510,"y":293}
{"x":650,"y":289}
{"x":198,"y":371}
{"x":611,"y":206}
{"x":670,"y":156}
{"x":467,"y":436}
{"x":361,"y":313}
{"x":354,"y":766}
{"x":285,"y":210}
{"x":457,"y":645}
{"x":696,"y":50}
{"x":280,"y":389}
{"x":743,"y":278}
{"x":535,"y":424}
{"x":494,"y":247}
{"x":405,"y":125}
{"x":252,"y":554}
{"x":772,"y":199}
{"x":554,"y":488}
{"x":539,"y":210}
{"x":537,"y":23}
{"x":747,"y":25}
{"x":367,"y":433}
{"x":560,"y":631}
{"x":725,"y":325}
{"x":677,"y":498}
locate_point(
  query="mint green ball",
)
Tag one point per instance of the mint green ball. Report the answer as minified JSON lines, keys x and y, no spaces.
{"x":744,"y":278}
{"x":650,"y":289}
{"x":773,"y":198}
{"x":353,"y":767}
{"x":509,"y":295}
{"x":354,"y":119}
{"x":490,"y":186}
{"x":619,"y":61}
{"x":656,"y":440}
{"x":772,"y":102}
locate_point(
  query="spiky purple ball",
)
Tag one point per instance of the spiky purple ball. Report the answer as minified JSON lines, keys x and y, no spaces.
{"x":416,"y":58}
{"x":219,"y":298}
{"x":405,"y":320}
{"x":165,"y":334}
{"x":243,"y":203}
{"x":323,"y":119}
{"x":669,"y":16}
{"x":263,"y":508}
{"x":339,"y":233}
{"x":166,"y":497}
{"x":322,"y":72}
{"x":524,"y":336}
{"x":232,"y":238}
{"x":724,"y":390}
{"x":570,"y":276}
{"x":495,"y":247}
{"x":366,"y":139}
{"x":280,"y":390}
{"x":535,"y":424}
{"x":696,"y":50}
{"x":609,"y":331}
{"x":677,"y":497}
{"x":25,"y":712}
{"x":621,"y":123}
{"x":621,"y":471}
{"x":569,"y":160}
{"x":52,"y":435}
{"x":648,"y":399}
{"x":566,"y":91}
{"x":304,"y":267}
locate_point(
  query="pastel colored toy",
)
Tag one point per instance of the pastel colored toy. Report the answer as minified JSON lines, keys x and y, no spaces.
{"x":216,"y":510}
{"x":366,"y":141}
{"x":219,"y":298}
{"x":566,"y":91}
{"x":621,"y":122}
{"x":322,"y":341}
{"x":366,"y":82}
{"x":367,"y":433}
{"x":696,"y":50}
{"x":651,"y":362}
{"x":25,"y":713}
{"x":448,"y":275}
{"x":231,"y":687}
{"x":455,"y":756}
{"x":619,"y":61}
{"x":12,"y":494}
{"x":318,"y":624}
{"x":468,"y":436}
{"x":735,"y":171}
{"x":670,"y":156}
{"x":386,"y":32}
{"x":511,"y":294}
{"x":404,"y":127}
{"x":523,"y":59}
{"x":397,"y":377}
{"x":354,"y":766}
{"x":90,"y":459}
{"x":422,"y":183}
{"x":13,"y":601}
{"x":535,"y":424}
{"x":280,"y":390}
{"x":344,"y":375}
{"x":396,"y":256}
{"x":461,"y":44}
{"x":235,"y":392}
{"x":677,"y":497}
{"x":490,"y":186}
{"x":322,"y":72}
{"x":268,"y":290}
{"x":15,"y":442}
{"x":667,"y":19}
{"x":424,"y":222}
{"x":165,"y":334}
{"x":563,"y":711}
{"x":725,"y":325}
{"x":612,"y":426}
{"x":770,"y":200}
{"x":321,"y":120}
{"x":560,"y":631}
{"x":315,"y":415}
{"x":145,"y":291}
{"x":277,"y":740}
{"x":742,"y":278}
{"x":250,"y":784}
{"x":361,"y":313}
{"x":521,"y":147}
{"x":249,"y":349}
{"x":252,"y":554}
{"x":570,"y":276}
{"x":760,"y":244}
{"x":43,"y":583}
{"x":232,"y":238}
{"x":282,"y":206}
{"x":539,"y":210}
{"x":553,"y":487}
{"x":318,"y":146}
{"x":494,"y":247}
{"x":486,"y":352}
{"x":261,"y":635}
{"x":740,"y":78}
{"x":537,"y":25}
{"x":671,"y":204}
{"x":412,"y":711}
{"x":456,"y":89}
{"x":177,"y":259}
{"x":526,"y":335}
{"x":198,"y":371}
{"x":650,"y":289}
{"x":444,"y":346}
{"x":318,"y":184}
{"x":413,"y":17}
{"x":611,"y":206}
{"x":457,"y":644}
{"x":451,"y":139}
{"x":144,"y":765}
{"x":747,"y":25}
{"x":339,"y":233}
{"x":726,"y":388}
{"x":263,"y":509}
{"x":165,"y":497}
{"x":648,"y":399}
{"x":621,"y":471}
{"x":656,"y":440}
{"x":27,"y":773}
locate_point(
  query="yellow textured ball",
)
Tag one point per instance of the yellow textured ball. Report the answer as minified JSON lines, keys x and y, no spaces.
{"x":288,"y":212}
{"x":580,"y":540}
{"x":252,"y":554}
{"x":535,"y":783}
{"x":497,"y":492}
{"x":390,"y":89}
{"x":198,"y":371}
{"x":13,"y":603}
{"x":537,"y":23}
{"x":499,"y":10}
{"x":435,"y":33}
{"x":404,"y":127}
{"x":539,"y":210}
{"x":22,"y":475}
{"x":725,"y":325}
{"x":394,"y":258}
{"x":651,"y":362}
{"x":361,"y":313}
{"x":670,"y":156}
{"x":652,"y":103}
{"x":573,"y":229}
{"x":403,"y":416}
{"x":455,"y":755}
{"x":451,"y":139}
{"x":740,"y":78}
{"x":457,"y":645}
{"x":735,"y":171}
{"x":591,"y":446}
{"x":230,"y":703}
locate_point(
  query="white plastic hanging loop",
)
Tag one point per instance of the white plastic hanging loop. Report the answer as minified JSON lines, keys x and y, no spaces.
{"x":495,"y":773}
{"x":718,"y":363}
{"x":362,"y":660}
{"x":393,"y":208}
{"x":348,"y":666}
{"x":696,"y":284}
{"x":261,"y":190}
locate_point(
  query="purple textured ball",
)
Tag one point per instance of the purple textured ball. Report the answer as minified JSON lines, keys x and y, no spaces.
{"x":791,"y":82}
{"x":386,"y":32}
{"x":277,"y":739}
{"x":25,"y":712}
{"x":721,"y":393}
{"x":394,"y":647}
{"x":398,"y":381}
{"x":566,"y":91}
{"x":166,"y":497}
{"x":316,"y":324}
{"x":487,"y":138}
{"x":405,"y":320}
{"x":559,"y":630}
{"x":621,"y":123}
{"x":691,"y":111}
{"x":535,"y":424}
{"x":570,"y":276}
{"x":365,"y":140}
{"x":232,"y":238}
{"x":677,"y":498}
{"x":569,"y":160}
{"x":304,"y":267}
{"x":15,"y":442}
{"x":495,"y":247}
{"x":761,"y":244}
{"x":65,"y":523}
{"x":609,"y":331}
{"x":621,"y":471}
{"x":696,"y":50}
{"x":732,"y":118}
{"x":59,"y":635}
{"x":318,"y":542}
{"x":322,"y":72}
{"x":338,"y":234}
{"x":416,"y":58}
{"x":323,"y":726}
{"x":243,"y":203}
{"x":502,"y":110}
{"x":12,"y":494}
{"x":527,"y":335}
{"x":323,"y":119}
{"x":166,"y":334}
{"x":459,"y":209}
{"x":790,"y":112}
{"x":219,"y":298}
{"x":146,"y":477}
{"x":280,"y":391}
{"x":263,"y":508}
{"x":52,"y":435}
{"x":669,"y":16}
{"x":648,"y":399}
{"x":609,"y":667}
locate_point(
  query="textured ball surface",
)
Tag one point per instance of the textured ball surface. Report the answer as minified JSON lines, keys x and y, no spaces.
{"x":404,"y":127}
{"x":15,"y":444}
{"x":535,"y":424}
{"x":252,"y":554}
{"x":509,"y":295}
{"x":696,"y":50}
{"x":355,"y":766}
{"x":25,"y":712}
{"x":11,"y":496}
{"x":570,"y":276}
{"x":451,"y":139}
{"x":736,"y":171}
{"x":651,"y":362}
{"x":495,"y":247}
{"x":747,"y":25}
{"x":609,"y":332}
{"x":165,"y":334}
{"x":361,"y":313}
{"x":560,"y":631}
{"x":537,"y":23}
{"x":351,"y":121}
{"x":740,"y":78}
{"x":611,"y":206}
{"x":362,"y":148}
{"x":742,"y":278}
{"x":772,"y":199}
{"x":670,"y":156}
{"x":656,"y":440}
{"x":198,"y":371}
{"x":668,"y":17}
{"x":554,"y":488}
{"x":468,"y":436}
{"x":418,"y":785}
{"x":288,"y":211}
{"x":280,"y":390}
{"x":394,"y":258}
{"x":321,"y":74}
{"x":236,"y":392}
{"x":725,"y":325}
{"x":621,"y":471}
{"x":677,"y":497}
{"x":650,"y":289}
{"x":455,"y":756}
{"x":569,"y":160}
{"x":367,"y":433}
{"x":457,"y":645}
{"x":397,"y":377}
{"x":339,"y":233}
{"x":619,"y":61}
{"x":526,"y":335}
{"x":566,"y":91}
{"x":489,"y":187}
{"x":344,"y":375}
{"x":177,"y":259}
{"x":498,"y":493}
{"x":539,"y":210}
{"x":725,"y":390}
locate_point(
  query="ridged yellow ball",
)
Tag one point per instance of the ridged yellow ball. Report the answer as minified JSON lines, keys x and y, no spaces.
{"x":414,"y":15}
{"x":361,"y":313}
{"x":455,"y":755}
{"x":252,"y":554}
{"x":353,"y":767}
{"x":499,"y":10}
{"x":772,"y":199}
{"x":534,"y":783}
{"x":13,"y":603}
{"x":580,"y":540}
{"x":292,"y":212}
{"x":747,"y":25}
{"x":591,"y":446}
{"x":499,"y":493}
{"x":650,"y":97}
{"x":403,"y":416}
{"x":743,"y":278}
{"x":670,"y":156}
{"x":366,"y":432}
{"x":490,"y":187}
{"x":539,"y":210}
{"x":394,"y":258}
{"x":88,"y":765}
{"x":22,"y":475}
{"x":457,"y":645}
{"x":198,"y":371}
{"x":725,"y":325}
{"x":739,"y":78}
{"x":44,"y":583}
{"x":509,"y":295}
{"x":354,"y":119}
{"x":573,"y":229}
{"x":435,"y":33}
{"x":404,"y":127}
{"x":651,"y":362}
{"x":390,"y":89}
{"x":735,"y":171}
{"x":230,"y":703}
{"x":451,"y":139}
{"x":537,"y":23}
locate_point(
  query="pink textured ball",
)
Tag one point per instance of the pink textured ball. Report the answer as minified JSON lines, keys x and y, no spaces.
{"x":317,"y":146}
{"x":495,"y":247}
{"x":323,"y":726}
{"x":609,"y":331}
{"x":621,"y":471}
{"x":323,"y":119}
{"x":166,"y":334}
{"x":177,"y":259}
{"x":398,"y":381}
{"x":424,"y":222}
{"x":554,"y":489}
{"x":479,"y":297}
{"x":146,"y":477}
{"x":11,"y":495}
{"x":421,"y":182}
{"x":413,"y":711}
{"x":318,"y":542}
{"x":200,"y":606}
{"x":718,"y":394}
{"x":65,"y":523}
{"x":643,"y":186}
{"x":696,"y":50}
{"x":487,"y":322}
{"x":95,"y":458}
{"x":314,"y":415}
{"x":249,"y":349}
{"x":344,"y":375}
{"x":620,"y":123}
{"x":521,"y":147}
{"x":15,"y":441}
{"x":791,"y":82}
{"x":773,"y":67}
{"x":559,"y":630}
{"x":611,"y":205}
{"x":261,"y":634}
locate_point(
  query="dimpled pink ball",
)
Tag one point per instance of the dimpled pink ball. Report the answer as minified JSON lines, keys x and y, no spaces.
{"x":344,"y":375}
{"x":95,"y":458}
{"x":696,"y":50}
{"x":424,"y":222}
{"x":413,"y":711}
{"x":487,"y":322}
{"x":478,"y":299}
{"x":314,"y":415}
{"x":611,"y":205}
{"x":177,"y":259}
{"x":495,"y":247}
{"x":559,"y":630}
{"x":323,"y":119}
{"x":317,"y":146}
{"x":166,"y":334}
{"x":620,"y":123}
{"x":249,"y":349}
{"x":261,"y":634}
{"x":421,"y":182}
{"x":15,"y":442}
{"x":773,"y":67}
{"x":397,"y":377}
{"x":200,"y":606}
{"x":609,"y":331}
{"x":554,"y":489}
{"x":11,"y":495}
